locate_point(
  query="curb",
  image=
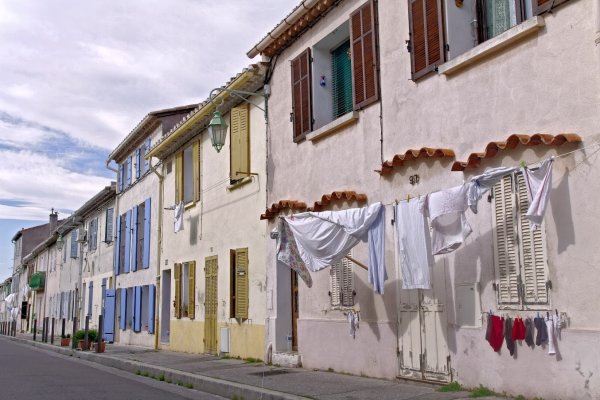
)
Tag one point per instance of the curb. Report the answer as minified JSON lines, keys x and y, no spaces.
{"x":219,"y":387}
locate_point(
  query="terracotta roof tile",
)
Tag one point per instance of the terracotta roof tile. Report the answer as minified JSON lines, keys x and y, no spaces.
{"x":512,"y":142}
{"x":413,"y":154}
{"x":346,"y":195}
{"x":276,"y":208}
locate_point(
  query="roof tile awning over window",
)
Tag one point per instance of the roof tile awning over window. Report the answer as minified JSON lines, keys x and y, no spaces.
{"x":512,"y":142}
{"x":282,"y":205}
{"x":413,"y":154}
{"x":341,"y":196}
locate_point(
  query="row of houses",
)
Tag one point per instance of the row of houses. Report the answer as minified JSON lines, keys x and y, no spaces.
{"x":353,"y":103}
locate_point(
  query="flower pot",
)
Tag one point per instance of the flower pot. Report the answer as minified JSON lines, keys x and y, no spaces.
{"x":83,"y":345}
{"x":64,"y":342}
{"x":102,"y":347}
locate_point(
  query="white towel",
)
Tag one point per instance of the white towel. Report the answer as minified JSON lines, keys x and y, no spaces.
{"x":179,"y":208}
{"x":538,"y":184}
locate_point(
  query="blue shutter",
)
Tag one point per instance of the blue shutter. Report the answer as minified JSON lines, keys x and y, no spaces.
{"x":128,"y":170}
{"x":90,"y":299}
{"x":121,"y":177}
{"x":151,"y":298}
{"x":127,"y":239}
{"x":118,"y":246}
{"x":109,"y":315}
{"x":134,"y":246}
{"x":138,"y":163}
{"x":137,"y":309}
{"x":103,"y":296}
{"x":146,"y":150}
{"x":74,"y":243}
{"x":123,"y":316}
{"x":147,"y":215}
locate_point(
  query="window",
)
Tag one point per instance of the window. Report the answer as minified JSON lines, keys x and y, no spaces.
{"x":337,"y":75}
{"x":240,"y":143}
{"x":185,"y":289}
{"x":519,"y":252}
{"x":122,"y":242}
{"x":146,"y":150}
{"x":139,"y":240}
{"x":121,"y":177}
{"x":238,"y":287}
{"x":187,"y":175}
{"x":440,"y":31}
{"x":93,"y":234}
{"x":341,"y":284}
{"x":74,"y":243}
{"x":108,"y":232}
{"x":138,"y":163}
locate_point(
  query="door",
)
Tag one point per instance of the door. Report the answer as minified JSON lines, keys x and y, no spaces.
{"x":165,"y":311}
{"x":422,"y":340}
{"x":109,"y":315}
{"x":211,"y":268}
{"x":294,"y":311}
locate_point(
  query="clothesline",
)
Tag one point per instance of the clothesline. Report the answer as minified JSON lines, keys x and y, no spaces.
{"x":396,"y":201}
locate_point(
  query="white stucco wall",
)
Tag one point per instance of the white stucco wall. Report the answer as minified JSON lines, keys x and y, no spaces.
{"x":543,"y":84}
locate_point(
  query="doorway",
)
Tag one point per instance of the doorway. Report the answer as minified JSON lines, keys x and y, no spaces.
{"x":295,"y":308}
{"x":165,"y":308}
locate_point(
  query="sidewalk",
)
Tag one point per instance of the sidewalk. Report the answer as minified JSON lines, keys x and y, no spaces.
{"x":236,"y":378}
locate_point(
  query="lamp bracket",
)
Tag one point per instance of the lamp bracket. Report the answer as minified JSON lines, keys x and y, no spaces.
{"x":240,"y":94}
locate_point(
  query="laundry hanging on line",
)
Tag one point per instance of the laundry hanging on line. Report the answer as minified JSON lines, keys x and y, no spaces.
{"x":324,"y":238}
{"x":538,"y":184}
{"x":287,"y":252}
{"x":178,"y":223}
{"x":414,"y":245}
{"x":481,"y":184}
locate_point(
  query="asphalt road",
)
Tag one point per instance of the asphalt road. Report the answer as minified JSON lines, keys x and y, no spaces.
{"x":30,"y":373}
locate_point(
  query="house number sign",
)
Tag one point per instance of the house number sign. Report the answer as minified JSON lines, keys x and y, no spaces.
{"x":413,"y":179}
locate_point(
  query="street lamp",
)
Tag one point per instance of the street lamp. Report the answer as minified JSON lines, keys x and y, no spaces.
{"x":60,"y":242}
{"x":217,"y":127}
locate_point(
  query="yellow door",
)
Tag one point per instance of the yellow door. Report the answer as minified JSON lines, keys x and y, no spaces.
{"x":211,"y":268}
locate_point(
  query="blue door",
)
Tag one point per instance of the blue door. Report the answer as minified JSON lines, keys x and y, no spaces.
{"x":109,"y":315}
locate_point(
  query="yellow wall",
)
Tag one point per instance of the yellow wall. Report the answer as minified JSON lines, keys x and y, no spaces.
{"x":246,"y":340}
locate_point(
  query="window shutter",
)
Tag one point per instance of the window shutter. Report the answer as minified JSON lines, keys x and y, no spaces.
{"x":347,"y":289}
{"x":134,"y":234}
{"x":138,"y":163}
{"x":90,"y":299}
{"x":177,"y":271}
{"x":137,"y":309}
{"x":146,"y":150}
{"x":241,"y":283}
{"x":301,"y":95}
{"x":108,"y":232}
{"x":118,"y":246}
{"x":335,"y":283}
{"x":532,"y":252}
{"x":128,"y":170}
{"x":541,"y":6}
{"x":426,"y":36}
{"x":240,"y":143}
{"x":147,"y":221}
{"x":74,"y":234}
{"x":196,"y":169}
{"x":179,"y":178}
{"x":505,"y":249}
{"x":192,"y":290}
{"x":123,"y":315}
{"x":364,"y":55}
{"x":121,"y":176}
{"x":127,"y":239}
{"x":151,"y":302}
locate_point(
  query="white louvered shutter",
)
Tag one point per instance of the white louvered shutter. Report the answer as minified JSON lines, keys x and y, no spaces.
{"x":347,"y":289}
{"x":335,"y":283}
{"x":505,"y":242}
{"x":532,"y":252}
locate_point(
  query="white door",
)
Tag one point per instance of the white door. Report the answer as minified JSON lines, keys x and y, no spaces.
{"x":422,"y":340}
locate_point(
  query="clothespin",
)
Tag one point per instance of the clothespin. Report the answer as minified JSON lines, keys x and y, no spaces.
{"x":408,"y":198}
{"x":522,"y":164}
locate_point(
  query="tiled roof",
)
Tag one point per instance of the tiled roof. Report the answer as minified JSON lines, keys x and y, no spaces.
{"x":413,"y":154}
{"x":346,"y":195}
{"x":250,"y":79}
{"x":513,"y":141}
{"x":292,"y":26}
{"x":276,"y":208}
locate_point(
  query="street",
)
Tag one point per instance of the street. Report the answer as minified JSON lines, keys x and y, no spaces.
{"x":28,"y":373}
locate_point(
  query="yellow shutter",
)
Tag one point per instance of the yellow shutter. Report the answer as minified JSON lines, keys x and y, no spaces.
{"x":241,"y":283}
{"x":505,"y":242}
{"x":192,"y":290}
{"x":240,"y":142}
{"x":532,"y":252}
{"x":179,"y":178}
{"x":210,"y":304}
{"x":196,"y":168}
{"x":177,"y":270}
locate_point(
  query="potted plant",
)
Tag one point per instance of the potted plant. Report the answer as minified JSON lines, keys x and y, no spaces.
{"x":65,"y":340}
{"x":80,"y":337}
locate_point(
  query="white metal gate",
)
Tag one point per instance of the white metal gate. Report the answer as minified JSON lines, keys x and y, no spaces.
{"x":422,"y":340}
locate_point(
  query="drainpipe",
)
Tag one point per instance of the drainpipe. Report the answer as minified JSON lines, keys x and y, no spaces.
{"x":161,"y":185}
{"x":115,"y":215}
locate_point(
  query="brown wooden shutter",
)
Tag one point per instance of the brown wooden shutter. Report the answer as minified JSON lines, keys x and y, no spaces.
{"x":301,"y":95}
{"x":241,"y":283}
{"x":541,"y":6}
{"x":365,"y":82}
{"x":426,"y":36}
{"x":196,"y":170}
{"x":177,"y":302}
{"x":179,"y":178}
{"x":192,"y":290}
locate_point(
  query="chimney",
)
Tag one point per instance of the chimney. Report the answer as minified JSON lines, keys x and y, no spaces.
{"x":53,"y":221}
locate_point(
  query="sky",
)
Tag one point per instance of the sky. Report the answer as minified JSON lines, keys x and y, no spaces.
{"x":77,"y":76}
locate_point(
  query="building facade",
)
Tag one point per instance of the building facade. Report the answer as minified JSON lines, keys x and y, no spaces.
{"x":420,"y":90}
